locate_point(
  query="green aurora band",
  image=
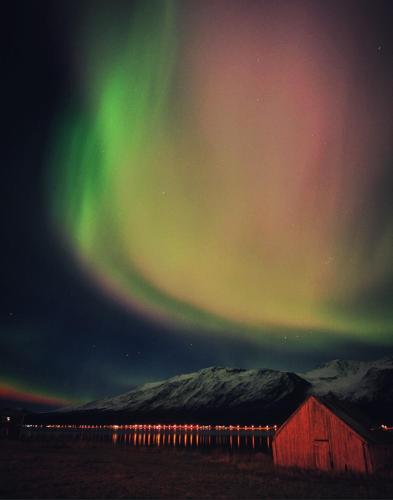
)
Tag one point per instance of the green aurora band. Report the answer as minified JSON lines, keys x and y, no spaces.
{"x":220,"y":196}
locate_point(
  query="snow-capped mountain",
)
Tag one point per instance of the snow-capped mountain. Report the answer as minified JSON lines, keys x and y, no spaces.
{"x":360,"y":382}
{"x":211,"y":387}
{"x":238,"y":395}
{"x":212,"y":394}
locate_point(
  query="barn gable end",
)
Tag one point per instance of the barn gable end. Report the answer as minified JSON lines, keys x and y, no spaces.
{"x":316,"y":437}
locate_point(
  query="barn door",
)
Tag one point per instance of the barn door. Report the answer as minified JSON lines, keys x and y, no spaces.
{"x":322,"y":455}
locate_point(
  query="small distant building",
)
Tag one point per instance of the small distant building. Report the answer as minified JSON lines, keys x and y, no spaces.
{"x":325,"y":435}
{"x":11,"y":421}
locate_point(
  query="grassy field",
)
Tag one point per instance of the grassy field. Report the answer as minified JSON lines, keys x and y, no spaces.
{"x":96,"y":470}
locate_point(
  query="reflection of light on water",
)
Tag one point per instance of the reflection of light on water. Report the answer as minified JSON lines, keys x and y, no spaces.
{"x":199,"y":439}
{"x":182,"y":436}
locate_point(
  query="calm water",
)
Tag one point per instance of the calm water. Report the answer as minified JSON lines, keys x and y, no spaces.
{"x":185,"y":438}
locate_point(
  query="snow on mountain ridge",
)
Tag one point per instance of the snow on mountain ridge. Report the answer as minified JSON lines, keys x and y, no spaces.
{"x":209,"y":387}
{"x":220,"y":387}
{"x":348,"y":379}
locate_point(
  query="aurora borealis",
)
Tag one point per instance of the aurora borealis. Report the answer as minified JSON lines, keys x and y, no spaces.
{"x":222,"y":174}
{"x":193,"y":183}
{"x":13,"y":391}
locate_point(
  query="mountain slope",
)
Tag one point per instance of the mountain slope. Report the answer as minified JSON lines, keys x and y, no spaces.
{"x":231,"y":395}
{"x":213,"y":394}
{"x":367,"y":384}
{"x":211,"y":387}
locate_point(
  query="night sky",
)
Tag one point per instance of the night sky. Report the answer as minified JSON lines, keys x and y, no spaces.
{"x":187,"y":184}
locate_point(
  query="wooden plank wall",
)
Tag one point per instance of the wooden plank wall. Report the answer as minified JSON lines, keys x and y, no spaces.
{"x":294,"y":445}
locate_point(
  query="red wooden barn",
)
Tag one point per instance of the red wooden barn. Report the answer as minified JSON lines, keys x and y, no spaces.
{"x":322,"y":435}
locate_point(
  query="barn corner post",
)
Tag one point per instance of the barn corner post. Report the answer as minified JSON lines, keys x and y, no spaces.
{"x":274,"y":451}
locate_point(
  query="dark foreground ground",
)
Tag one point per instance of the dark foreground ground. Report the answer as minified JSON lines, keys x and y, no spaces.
{"x":96,"y":470}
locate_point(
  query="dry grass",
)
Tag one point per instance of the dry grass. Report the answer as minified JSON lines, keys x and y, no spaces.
{"x":99,"y":470}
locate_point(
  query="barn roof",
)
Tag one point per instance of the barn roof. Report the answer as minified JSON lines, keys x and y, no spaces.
{"x":350,"y":415}
{"x":353,"y":418}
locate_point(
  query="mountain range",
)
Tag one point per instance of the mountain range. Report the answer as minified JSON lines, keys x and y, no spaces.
{"x":234,"y":395}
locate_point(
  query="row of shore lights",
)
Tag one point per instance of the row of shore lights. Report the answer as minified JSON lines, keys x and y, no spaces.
{"x":164,"y":427}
